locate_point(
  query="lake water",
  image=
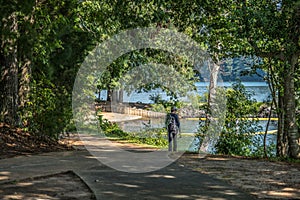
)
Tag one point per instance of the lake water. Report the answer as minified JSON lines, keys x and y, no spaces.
{"x":259,"y":90}
{"x":188,"y":128}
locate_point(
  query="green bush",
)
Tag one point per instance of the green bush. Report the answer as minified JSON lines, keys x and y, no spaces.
{"x":258,"y":147}
{"x":111,"y":129}
{"x":48,"y":111}
{"x":237,"y":135}
{"x":150,"y":136}
{"x":233,"y":144}
{"x":158,"y":108}
{"x":235,"y":141}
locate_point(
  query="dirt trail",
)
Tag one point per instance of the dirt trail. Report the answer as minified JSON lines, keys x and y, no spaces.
{"x":262,"y":178}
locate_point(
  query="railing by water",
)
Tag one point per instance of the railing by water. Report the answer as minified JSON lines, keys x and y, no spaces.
{"x":125,"y":109}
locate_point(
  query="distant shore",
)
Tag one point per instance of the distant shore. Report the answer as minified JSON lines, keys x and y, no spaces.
{"x":186,"y":112}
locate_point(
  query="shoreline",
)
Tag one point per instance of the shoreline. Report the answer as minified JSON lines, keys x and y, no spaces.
{"x":143,"y":109}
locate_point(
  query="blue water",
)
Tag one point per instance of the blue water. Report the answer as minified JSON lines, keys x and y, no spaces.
{"x":189,"y":128}
{"x":259,"y":90}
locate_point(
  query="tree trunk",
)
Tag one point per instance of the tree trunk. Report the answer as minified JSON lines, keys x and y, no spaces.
{"x":25,"y":60}
{"x":109,"y":94}
{"x":214,"y":71}
{"x":290,"y":125}
{"x":9,"y":74}
{"x":282,"y":139}
{"x":213,"y":125}
{"x":266,"y":131}
{"x":24,"y":83}
{"x":121,"y":96}
{"x":115,"y":97}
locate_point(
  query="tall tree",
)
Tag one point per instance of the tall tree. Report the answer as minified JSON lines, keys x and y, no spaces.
{"x":267,"y":29}
{"x":9,"y":79}
{"x":9,"y":69}
{"x":30,"y":32}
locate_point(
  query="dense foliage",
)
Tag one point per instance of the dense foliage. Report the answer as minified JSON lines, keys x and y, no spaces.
{"x":240,"y":126}
{"x":47,"y":110}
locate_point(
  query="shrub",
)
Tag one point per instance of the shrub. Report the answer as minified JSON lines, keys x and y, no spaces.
{"x":48,"y":110}
{"x":111,"y":129}
{"x":237,"y":133}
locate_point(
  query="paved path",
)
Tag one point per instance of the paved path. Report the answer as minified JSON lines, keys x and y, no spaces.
{"x":118,"y":117}
{"x":172,"y":182}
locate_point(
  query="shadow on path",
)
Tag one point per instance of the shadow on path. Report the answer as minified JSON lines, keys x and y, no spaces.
{"x":172,"y":182}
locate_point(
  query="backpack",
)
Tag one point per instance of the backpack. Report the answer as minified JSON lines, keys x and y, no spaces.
{"x":171,"y":124}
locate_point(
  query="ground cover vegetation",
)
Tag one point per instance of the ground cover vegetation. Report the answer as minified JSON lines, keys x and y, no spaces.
{"x":151,"y":136}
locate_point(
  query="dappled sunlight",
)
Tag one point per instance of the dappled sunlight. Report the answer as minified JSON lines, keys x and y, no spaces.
{"x":230,"y":192}
{"x":4,"y":175}
{"x":90,"y":157}
{"x":161,"y":176}
{"x":26,"y":197}
{"x":262,"y":178}
{"x":224,"y":190}
{"x":275,"y":182}
{"x":217,"y":187}
{"x":177,"y":196}
{"x":57,"y":186}
{"x":24,"y":184}
{"x":219,"y":158}
{"x":114,"y":194}
{"x":285,"y":193}
{"x":49,"y":189}
{"x":280,"y":189}
{"x":220,"y":193}
{"x":13,"y":197}
{"x":127,"y":185}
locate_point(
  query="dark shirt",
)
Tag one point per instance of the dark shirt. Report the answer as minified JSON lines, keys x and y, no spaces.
{"x":176,"y":119}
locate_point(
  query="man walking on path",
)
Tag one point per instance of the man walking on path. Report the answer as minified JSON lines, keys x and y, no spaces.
{"x":173,"y":127}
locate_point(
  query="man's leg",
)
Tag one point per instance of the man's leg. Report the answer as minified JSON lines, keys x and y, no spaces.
{"x":175,"y":142}
{"x":170,"y":141}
